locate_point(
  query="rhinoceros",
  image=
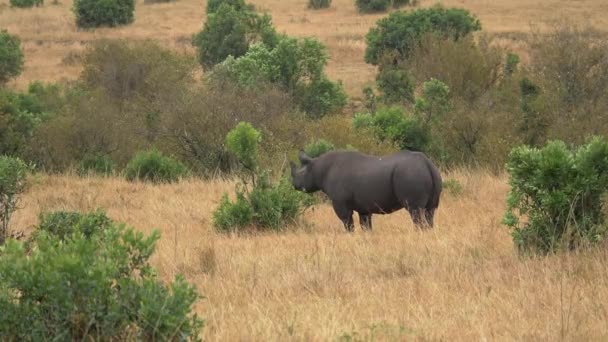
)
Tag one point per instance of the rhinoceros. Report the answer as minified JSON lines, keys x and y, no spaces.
{"x":372,"y":184}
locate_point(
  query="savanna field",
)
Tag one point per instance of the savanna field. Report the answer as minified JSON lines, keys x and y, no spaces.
{"x":462,"y":280}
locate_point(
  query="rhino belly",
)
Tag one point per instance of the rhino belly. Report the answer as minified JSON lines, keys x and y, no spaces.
{"x":375,"y":200}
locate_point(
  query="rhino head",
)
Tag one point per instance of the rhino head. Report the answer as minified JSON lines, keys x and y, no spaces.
{"x":302,"y":178}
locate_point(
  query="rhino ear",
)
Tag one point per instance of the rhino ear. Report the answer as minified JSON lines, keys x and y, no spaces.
{"x":304,"y":159}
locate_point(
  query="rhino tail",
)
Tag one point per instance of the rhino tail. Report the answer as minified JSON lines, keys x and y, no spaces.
{"x":437,"y":185}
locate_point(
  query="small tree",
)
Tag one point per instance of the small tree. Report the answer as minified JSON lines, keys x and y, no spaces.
{"x":97,"y":13}
{"x":396,"y":85}
{"x":434,"y":102}
{"x":11,"y":57}
{"x":13,"y":182}
{"x":397,"y":34}
{"x":26,"y":3}
{"x":557,"y":196}
{"x":319,"y":4}
{"x":243,"y":141}
{"x":229,"y":31}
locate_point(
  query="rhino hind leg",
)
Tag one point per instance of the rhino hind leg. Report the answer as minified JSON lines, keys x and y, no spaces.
{"x":366,"y":221}
{"x":345,"y":215}
{"x":422,"y":217}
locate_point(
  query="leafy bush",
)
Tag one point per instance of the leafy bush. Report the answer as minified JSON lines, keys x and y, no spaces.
{"x":397,"y":34}
{"x":434,"y":103}
{"x":155,"y":167}
{"x":371,"y":6}
{"x":318,"y":147}
{"x":265,"y":205}
{"x":229,"y":31}
{"x":94,"y":284}
{"x":65,"y":224}
{"x":11,"y":56}
{"x":13,"y":182}
{"x":100,"y":164}
{"x":318,"y":4}
{"x":396,"y":85}
{"x":26,"y":3}
{"x":297,"y":66}
{"x":97,"y":13}
{"x":511,"y":63}
{"x":556,"y":197}
{"x":239,"y":5}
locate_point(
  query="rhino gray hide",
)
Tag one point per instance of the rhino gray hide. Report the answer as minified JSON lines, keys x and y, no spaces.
{"x":372,"y":185}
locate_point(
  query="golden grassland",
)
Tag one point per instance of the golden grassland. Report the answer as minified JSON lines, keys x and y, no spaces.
{"x":461,"y":281}
{"x":53,"y":45}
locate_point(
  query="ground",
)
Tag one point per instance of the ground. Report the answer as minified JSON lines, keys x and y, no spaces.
{"x":461,"y":281}
{"x":53,"y":45}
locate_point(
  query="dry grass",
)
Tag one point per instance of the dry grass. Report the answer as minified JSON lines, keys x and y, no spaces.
{"x":460,"y":281}
{"x":53,"y":45}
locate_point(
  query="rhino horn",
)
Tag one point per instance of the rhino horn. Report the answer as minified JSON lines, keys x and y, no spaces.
{"x":304,"y":158}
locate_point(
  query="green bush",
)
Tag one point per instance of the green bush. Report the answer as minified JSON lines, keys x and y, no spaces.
{"x":557,"y":195}
{"x":13,"y":182}
{"x":297,"y":66}
{"x":363,"y":120}
{"x":396,"y":85}
{"x":511,"y":63}
{"x":97,"y":13}
{"x":318,"y":147}
{"x":233,"y":215}
{"x":100,"y":164}
{"x":371,"y":6}
{"x":258,"y":202}
{"x":11,"y":57}
{"x":434,"y":103}
{"x":318,"y":4}
{"x":65,"y":224}
{"x":397,"y":34}
{"x":26,"y":3}
{"x":97,"y":285}
{"x":155,"y":167}
{"x":229,"y":31}
{"x":239,"y":5}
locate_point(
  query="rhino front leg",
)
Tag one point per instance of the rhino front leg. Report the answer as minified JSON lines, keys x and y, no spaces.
{"x":366,"y":221}
{"x":345,"y":215}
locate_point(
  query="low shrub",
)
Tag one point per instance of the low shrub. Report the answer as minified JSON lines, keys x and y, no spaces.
{"x":321,"y":97}
{"x":259,"y":203}
{"x":318,"y":147}
{"x":97,"y":13}
{"x":26,"y":3}
{"x":64,"y":224}
{"x":88,"y":279}
{"x":396,"y":85}
{"x":13,"y":182}
{"x":11,"y":56}
{"x":557,"y":196}
{"x":318,"y":4}
{"x":392,"y":124}
{"x":98,"y":164}
{"x":452,"y":187}
{"x":155,"y":167}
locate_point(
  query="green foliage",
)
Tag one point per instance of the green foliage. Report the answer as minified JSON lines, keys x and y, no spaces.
{"x":239,"y":5}
{"x":434,"y":103}
{"x":243,"y":141}
{"x":452,"y":186}
{"x":297,"y":66}
{"x":391,"y":124}
{"x":511,"y":63}
{"x":556,"y":197}
{"x":26,"y":3}
{"x":11,"y":57}
{"x":318,"y":4}
{"x":155,"y":167}
{"x":229,"y":31}
{"x":90,"y":280}
{"x":98,"y":13}
{"x":396,"y":85}
{"x":318,"y":147}
{"x":13,"y":181}
{"x":372,"y":6}
{"x":400,"y":32}
{"x":266,"y":205}
{"x":233,"y":215}
{"x":99,"y":164}
{"x":65,"y":224}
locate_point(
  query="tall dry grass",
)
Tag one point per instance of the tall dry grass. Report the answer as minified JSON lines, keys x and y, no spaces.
{"x":54,"y":46}
{"x":460,"y":281}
